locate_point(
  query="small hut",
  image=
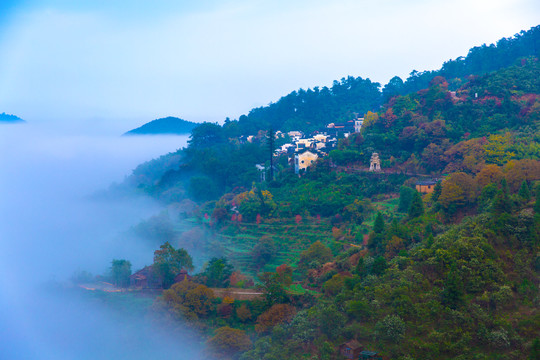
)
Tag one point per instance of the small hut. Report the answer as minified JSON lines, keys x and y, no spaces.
{"x":425,"y":186}
{"x":182,"y":276}
{"x":351,"y":349}
{"x":145,"y":279}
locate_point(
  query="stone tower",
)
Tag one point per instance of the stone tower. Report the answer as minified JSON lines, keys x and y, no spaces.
{"x":375,"y":163}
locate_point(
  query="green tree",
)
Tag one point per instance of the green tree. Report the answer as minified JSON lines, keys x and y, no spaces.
{"x":379,"y":266}
{"x":271,"y":139}
{"x":452,"y":294}
{"x":524,"y":191}
{"x":206,"y":135}
{"x":316,"y":255}
{"x":273,"y":289}
{"x":120,"y":272}
{"x":391,"y":328}
{"x":331,"y":320}
{"x":360,"y":267}
{"x":217,"y":272}
{"x":378,"y":226}
{"x":168,"y":262}
{"x":537,"y":202}
{"x":501,"y":203}
{"x":264,"y":251}
{"x":436,"y":192}
{"x":417,"y":206}
{"x":406,"y":195}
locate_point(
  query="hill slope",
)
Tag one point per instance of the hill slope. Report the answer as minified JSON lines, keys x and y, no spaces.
{"x":168,"y":125}
{"x":7,"y":118}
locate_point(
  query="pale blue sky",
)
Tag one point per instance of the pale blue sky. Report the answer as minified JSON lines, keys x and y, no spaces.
{"x":124,"y":63}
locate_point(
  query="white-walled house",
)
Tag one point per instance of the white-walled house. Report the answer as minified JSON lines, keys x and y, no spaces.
{"x":304,"y":159}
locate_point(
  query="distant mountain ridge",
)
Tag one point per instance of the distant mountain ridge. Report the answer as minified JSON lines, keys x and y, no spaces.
{"x":168,"y":125}
{"x":8,"y":118}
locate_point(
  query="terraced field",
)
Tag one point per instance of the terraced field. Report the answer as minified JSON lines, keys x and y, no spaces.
{"x":290,"y":239}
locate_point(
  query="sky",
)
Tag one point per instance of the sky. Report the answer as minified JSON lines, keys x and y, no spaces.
{"x":119,"y":64}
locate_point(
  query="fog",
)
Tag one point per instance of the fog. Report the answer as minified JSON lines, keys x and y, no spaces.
{"x":51,"y":227}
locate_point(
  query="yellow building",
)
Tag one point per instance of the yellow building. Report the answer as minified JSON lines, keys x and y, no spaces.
{"x":426,"y":186}
{"x":304,"y":160}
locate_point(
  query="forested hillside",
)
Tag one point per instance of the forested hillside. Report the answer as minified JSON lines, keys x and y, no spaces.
{"x":309,"y":110}
{"x":339,"y":253}
{"x":168,"y":125}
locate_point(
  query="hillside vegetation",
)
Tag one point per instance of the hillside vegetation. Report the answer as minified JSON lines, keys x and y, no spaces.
{"x":341,"y":253}
{"x":164,"y":126}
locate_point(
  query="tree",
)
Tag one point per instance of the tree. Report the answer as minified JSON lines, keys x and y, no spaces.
{"x":406,"y":195}
{"x":501,"y":203}
{"x":229,"y":341}
{"x":243,"y":313}
{"x":168,"y":262}
{"x":316,"y":255}
{"x":416,"y":208}
{"x":273,"y":288}
{"x":333,"y":286}
{"x":330,"y":320}
{"x":188,"y":300}
{"x":393,"y":88}
{"x":217,"y":272}
{"x":378,"y":225}
{"x":277,"y":314}
{"x":264,"y":250}
{"x":452,"y":197}
{"x":206,"y":135}
{"x":285,"y":273}
{"x":360,"y":268}
{"x":271,"y":138}
{"x":452,"y":294}
{"x":391,"y":328}
{"x":379,"y":266}
{"x":120,"y":272}
{"x":524,"y":191}
{"x":437,"y":189}
{"x":489,"y":174}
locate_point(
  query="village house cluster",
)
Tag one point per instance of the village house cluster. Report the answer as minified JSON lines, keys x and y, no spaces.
{"x":303,"y":151}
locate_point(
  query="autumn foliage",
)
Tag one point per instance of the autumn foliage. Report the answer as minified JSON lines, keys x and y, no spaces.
{"x":277,"y":314}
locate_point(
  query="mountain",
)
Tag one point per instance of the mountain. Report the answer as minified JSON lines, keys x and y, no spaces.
{"x":311,"y":109}
{"x":434,"y":257}
{"x":168,"y":125}
{"x":8,"y":118}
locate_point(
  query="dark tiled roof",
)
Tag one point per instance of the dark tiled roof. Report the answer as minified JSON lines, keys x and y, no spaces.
{"x":426,"y":182}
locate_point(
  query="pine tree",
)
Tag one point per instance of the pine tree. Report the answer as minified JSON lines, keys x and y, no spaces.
{"x":501,"y":203}
{"x":452,"y":294}
{"x":537,"y":203}
{"x":271,"y":148}
{"x":378,"y":226}
{"x":417,"y":206}
{"x":360,"y":267}
{"x":436,"y":192}
{"x":524,"y":191}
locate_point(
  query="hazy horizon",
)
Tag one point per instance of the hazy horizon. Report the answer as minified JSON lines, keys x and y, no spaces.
{"x":53,"y":227}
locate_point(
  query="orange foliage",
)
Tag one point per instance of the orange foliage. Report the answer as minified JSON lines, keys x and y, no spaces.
{"x":277,"y":314}
{"x":519,"y":170}
{"x":489,"y":174}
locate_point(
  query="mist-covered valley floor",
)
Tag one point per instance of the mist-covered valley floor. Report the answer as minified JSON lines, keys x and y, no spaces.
{"x":52,"y":227}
